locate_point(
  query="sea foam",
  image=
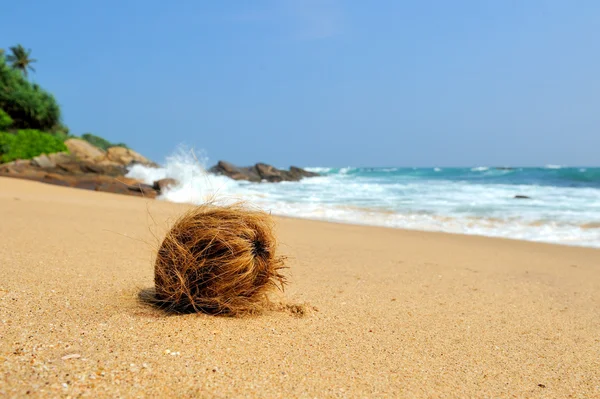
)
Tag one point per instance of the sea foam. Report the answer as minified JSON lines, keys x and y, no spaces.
{"x":469,"y":201}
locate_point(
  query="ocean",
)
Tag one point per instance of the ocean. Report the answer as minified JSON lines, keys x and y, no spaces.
{"x":563,"y":205}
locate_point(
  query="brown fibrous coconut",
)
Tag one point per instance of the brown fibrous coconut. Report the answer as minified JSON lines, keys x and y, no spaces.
{"x":219,"y":260}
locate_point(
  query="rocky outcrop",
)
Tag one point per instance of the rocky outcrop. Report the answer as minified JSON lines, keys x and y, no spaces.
{"x":300,"y":173}
{"x":88,"y":167}
{"x":125,"y":156}
{"x":83,"y":168}
{"x":234,"y":172}
{"x":260,"y":172}
{"x":117,"y":185}
{"x":84,"y":151}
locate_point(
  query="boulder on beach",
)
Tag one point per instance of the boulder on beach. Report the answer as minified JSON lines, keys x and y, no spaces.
{"x":88,"y":181}
{"x":126,"y":156}
{"x":81,"y":150}
{"x":86,"y":167}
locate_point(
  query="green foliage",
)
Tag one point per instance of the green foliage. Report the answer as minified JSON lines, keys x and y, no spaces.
{"x":19,"y":59}
{"x":29,"y":106}
{"x":120,"y":145}
{"x":62,"y":135}
{"x":26,"y":144}
{"x":62,"y":132}
{"x":100,"y":142}
{"x":96,"y":140}
{"x":5,"y":120}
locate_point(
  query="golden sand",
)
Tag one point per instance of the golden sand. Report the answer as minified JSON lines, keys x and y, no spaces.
{"x":399,"y":313}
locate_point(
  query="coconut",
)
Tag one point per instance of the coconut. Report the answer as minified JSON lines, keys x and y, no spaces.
{"x":218,"y":260}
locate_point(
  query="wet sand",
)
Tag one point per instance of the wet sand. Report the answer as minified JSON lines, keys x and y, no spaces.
{"x":388,"y":313}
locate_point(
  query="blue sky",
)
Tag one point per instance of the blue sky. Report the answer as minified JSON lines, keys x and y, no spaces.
{"x":325,"y":82}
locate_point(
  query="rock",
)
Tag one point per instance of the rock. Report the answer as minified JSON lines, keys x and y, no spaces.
{"x":117,"y":185}
{"x":227,"y":167}
{"x":162,"y":184}
{"x":260,"y":172}
{"x":234,"y":172}
{"x":15,"y":167}
{"x":103,"y":169}
{"x":53,"y":178}
{"x":123,"y":185}
{"x":522,"y":197}
{"x":269,"y":173}
{"x":83,"y":150}
{"x":125,"y":156}
{"x":145,"y":190}
{"x":43,"y":161}
{"x":60,"y":157}
{"x":74,"y":167}
{"x":78,"y":174}
{"x":69,"y":167}
{"x":296,"y":171}
{"x":86,"y":167}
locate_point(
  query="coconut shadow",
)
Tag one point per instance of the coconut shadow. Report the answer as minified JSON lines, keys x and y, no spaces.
{"x":147,"y":296}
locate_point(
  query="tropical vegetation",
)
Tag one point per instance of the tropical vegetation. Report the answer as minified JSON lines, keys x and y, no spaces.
{"x":26,"y":144}
{"x":20,"y":60}
{"x":30,"y":117}
{"x":100,"y":142}
{"x":5,"y":120}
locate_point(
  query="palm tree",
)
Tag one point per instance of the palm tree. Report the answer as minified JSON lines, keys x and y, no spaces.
{"x":20,"y":59}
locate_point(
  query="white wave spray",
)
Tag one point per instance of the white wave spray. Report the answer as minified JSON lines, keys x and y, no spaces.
{"x":195,"y":184}
{"x":556,"y":214}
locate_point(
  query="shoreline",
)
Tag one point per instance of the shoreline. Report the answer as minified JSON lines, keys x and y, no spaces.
{"x":346,"y":223}
{"x":390,"y":312}
{"x":557,"y":210}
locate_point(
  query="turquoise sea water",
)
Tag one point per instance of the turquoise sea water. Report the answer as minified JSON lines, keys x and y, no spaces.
{"x":551,"y":175}
{"x":563,"y":205}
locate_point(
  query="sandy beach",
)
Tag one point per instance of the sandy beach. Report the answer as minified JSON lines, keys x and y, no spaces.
{"x":388,"y":313}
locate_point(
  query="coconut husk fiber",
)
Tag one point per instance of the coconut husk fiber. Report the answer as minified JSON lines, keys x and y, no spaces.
{"x":218,"y":260}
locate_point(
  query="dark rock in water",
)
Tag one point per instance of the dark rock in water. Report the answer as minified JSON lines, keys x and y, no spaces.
{"x":504,"y":168}
{"x":163,"y":184}
{"x":270,"y":173}
{"x":260,"y":172}
{"x":235,"y":172}
{"x":301,"y":173}
{"x":522,"y":197}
